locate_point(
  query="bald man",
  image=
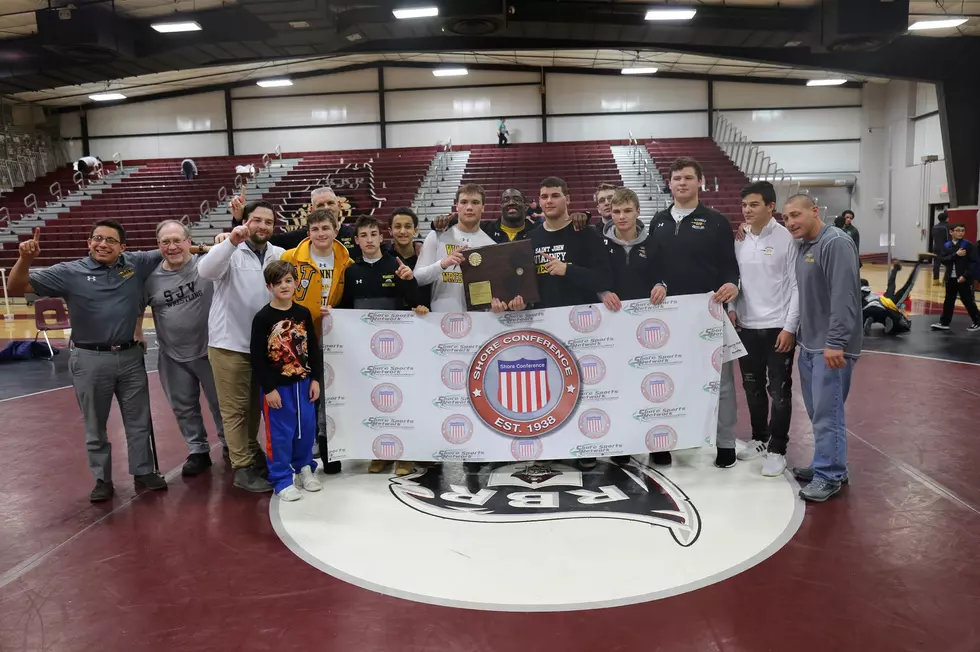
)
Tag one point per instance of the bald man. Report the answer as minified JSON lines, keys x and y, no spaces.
{"x":829,"y":337}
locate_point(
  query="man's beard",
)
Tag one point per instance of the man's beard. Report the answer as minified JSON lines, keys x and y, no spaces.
{"x":516,"y":220}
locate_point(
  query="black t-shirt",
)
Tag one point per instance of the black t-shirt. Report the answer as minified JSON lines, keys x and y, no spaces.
{"x":284,"y":349}
{"x":587,"y":274}
{"x":376,"y":286}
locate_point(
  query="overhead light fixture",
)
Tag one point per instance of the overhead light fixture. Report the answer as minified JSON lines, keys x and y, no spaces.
{"x":450,"y":72}
{"x":826,"y":82}
{"x":671,"y":14}
{"x":354,"y":37}
{"x":106,"y":97}
{"x":639,"y":71}
{"x":792,"y":44}
{"x":174,"y":28}
{"x":298,"y":24}
{"x":417,"y":12}
{"x":943,"y":23}
{"x":274,"y":83}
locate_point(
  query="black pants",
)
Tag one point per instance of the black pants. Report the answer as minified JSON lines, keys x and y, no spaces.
{"x":760,"y":363}
{"x":936,"y":265}
{"x":501,"y":140}
{"x":965,"y":292}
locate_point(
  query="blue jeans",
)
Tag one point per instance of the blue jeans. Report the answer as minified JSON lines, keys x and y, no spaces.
{"x":824,"y":393}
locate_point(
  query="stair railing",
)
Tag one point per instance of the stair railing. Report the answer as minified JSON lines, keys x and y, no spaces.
{"x":204,"y":208}
{"x":751,"y":160}
{"x":55,"y":190}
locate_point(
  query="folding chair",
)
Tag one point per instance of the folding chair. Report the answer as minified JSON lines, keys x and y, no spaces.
{"x":42,"y":309}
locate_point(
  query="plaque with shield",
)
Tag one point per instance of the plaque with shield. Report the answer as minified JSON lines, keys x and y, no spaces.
{"x":501,"y":271}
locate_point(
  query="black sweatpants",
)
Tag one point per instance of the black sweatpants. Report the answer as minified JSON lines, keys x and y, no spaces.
{"x":965,"y":292}
{"x":767,"y":374}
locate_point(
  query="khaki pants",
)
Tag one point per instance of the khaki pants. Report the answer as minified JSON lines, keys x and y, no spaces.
{"x":238,"y":398}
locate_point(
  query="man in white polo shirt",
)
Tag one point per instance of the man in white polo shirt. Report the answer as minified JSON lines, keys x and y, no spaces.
{"x":768,"y":315}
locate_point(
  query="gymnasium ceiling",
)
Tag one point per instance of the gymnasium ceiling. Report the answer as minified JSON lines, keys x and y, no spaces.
{"x":242,"y":40}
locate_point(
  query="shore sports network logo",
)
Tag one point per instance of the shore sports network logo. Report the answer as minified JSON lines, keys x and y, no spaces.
{"x":454,"y":375}
{"x":547,"y":491}
{"x":716,"y":309}
{"x":594,"y":423}
{"x":387,"y":447}
{"x":457,"y":429}
{"x":652,"y":334}
{"x":456,"y":325}
{"x":524,"y":383}
{"x":657,"y":387}
{"x":593,"y":369}
{"x":661,"y":438}
{"x":328,"y":376}
{"x":585,"y":319}
{"x":387,"y":344}
{"x":386,"y":398}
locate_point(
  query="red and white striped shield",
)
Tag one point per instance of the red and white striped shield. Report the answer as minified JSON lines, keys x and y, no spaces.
{"x":523,"y":385}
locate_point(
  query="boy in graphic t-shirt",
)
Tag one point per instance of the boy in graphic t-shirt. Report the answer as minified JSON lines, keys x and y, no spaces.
{"x":320,"y":261}
{"x":286,"y":363}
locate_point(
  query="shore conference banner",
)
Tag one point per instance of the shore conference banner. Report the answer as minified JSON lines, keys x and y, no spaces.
{"x":560,"y":383}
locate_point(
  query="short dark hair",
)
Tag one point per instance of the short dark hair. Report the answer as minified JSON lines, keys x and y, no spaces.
{"x":844,"y":213}
{"x":682,"y":162}
{"x":322,"y":215}
{"x":277,"y":270}
{"x":942,"y":217}
{"x":761,"y":188}
{"x":366,"y":222}
{"x":958,"y":225}
{"x":554,"y":182}
{"x":404,"y":211}
{"x":472,"y":189}
{"x":251,"y":206}
{"x":110,"y":224}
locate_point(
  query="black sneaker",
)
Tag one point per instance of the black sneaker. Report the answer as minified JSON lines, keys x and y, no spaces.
{"x":196,"y":464}
{"x":939,"y":327}
{"x":151,"y":481}
{"x":663,"y":458}
{"x":103,"y":491}
{"x":332,"y":468}
{"x":725,"y":458}
{"x":587,"y":463}
{"x":621,"y":459}
{"x":973,"y":328}
{"x":249,"y":479}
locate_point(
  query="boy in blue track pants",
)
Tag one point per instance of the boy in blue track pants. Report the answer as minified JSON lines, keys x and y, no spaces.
{"x":286,"y":361}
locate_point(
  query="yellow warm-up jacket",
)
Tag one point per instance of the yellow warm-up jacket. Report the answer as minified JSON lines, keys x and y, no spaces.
{"x":310,"y":288}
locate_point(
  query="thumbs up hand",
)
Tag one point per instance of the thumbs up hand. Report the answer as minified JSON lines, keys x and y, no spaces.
{"x":404,"y":272}
{"x":31,"y":249}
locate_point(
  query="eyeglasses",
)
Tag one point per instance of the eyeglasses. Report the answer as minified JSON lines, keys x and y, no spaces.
{"x":172,"y":243}
{"x":99,"y":239}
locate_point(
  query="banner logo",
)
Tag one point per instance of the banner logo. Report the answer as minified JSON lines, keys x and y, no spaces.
{"x":657,"y":388}
{"x":456,"y":325}
{"x":328,"y":376}
{"x":593,"y":369}
{"x":716,"y":309}
{"x":652,"y":334}
{"x":457,"y":429}
{"x":386,"y":344}
{"x":526,"y":449}
{"x":585,"y":319}
{"x":524,"y":383}
{"x":386,"y":398}
{"x":388,"y":447}
{"x":454,"y":375}
{"x":594,"y":423}
{"x":716,"y":358}
{"x":661,"y":438}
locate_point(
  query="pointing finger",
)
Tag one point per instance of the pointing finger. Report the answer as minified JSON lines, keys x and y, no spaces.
{"x":400,"y":263}
{"x":37,"y":233}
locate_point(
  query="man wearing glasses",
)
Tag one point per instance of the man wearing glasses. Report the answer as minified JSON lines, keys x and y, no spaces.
{"x":104,"y":293}
{"x":181,"y":300}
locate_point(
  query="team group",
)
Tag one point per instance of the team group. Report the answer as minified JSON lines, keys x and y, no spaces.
{"x":242,"y":322}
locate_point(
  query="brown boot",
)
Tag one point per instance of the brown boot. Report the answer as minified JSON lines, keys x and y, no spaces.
{"x":404,"y":468}
{"x":377,"y":466}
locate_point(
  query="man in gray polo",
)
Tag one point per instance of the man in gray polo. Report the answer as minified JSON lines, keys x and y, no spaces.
{"x":104,"y":292}
{"x":180,"y":301}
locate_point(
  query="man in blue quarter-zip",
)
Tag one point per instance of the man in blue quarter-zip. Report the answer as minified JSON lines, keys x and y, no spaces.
{"x":829,"y":337}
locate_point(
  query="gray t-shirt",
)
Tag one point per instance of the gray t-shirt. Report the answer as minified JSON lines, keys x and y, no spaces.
{"x":103,"y":302}
{"x":180,"y":301}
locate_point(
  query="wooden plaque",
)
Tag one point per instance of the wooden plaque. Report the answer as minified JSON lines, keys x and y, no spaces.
{"x":501,"y":271}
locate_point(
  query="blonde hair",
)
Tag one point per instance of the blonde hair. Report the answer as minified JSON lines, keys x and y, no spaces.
{"x":625,"y":196}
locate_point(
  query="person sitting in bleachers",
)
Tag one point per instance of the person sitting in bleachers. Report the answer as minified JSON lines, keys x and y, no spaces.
{"x":188,"y":168}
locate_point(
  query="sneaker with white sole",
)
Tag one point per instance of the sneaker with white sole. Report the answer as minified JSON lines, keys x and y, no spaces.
{"x":973,"y":328}
{"x":289,"y":494}
{"x":774,"y":465}
{"x":308,"y":481}
{"x":753,"y":449}
{"x":819,"y":490}
{"x":939,"y":327}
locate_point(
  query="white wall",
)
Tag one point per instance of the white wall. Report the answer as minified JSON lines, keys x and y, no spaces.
{"x":308,"y":140}
{"x":358,"y":80}
{"x":471,"y":132}
{"x":421,"y":78}
{"x":617,"y":127}
{"x":734,"y":95}
{"x":304,"y":111}
{"x":606,"y":94}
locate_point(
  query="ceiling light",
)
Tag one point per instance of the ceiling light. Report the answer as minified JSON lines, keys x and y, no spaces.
{"x":419,"y":12}
{"x":298,"y":24}
{"x":639,"y":71}
{"x":671,"y":14}
{"x":354,"y":37}
{"x":793,"y":44}
{"x":826,"y":82}
{"x":173,"y":28}
{"x":274,"y":83}
{"x":937,"y":24}
{"x":450,"y":72}
{"x":107,"y":97}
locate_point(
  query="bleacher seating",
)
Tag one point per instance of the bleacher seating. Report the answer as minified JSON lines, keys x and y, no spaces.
{"x":157,"y":191}
{"x":13,"y":201}
{"x":718,"y":168}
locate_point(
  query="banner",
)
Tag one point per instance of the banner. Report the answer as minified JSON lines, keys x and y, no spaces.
{"x":560,"y":383}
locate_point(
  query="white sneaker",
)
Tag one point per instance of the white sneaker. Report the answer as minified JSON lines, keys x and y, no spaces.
{"x":752,"y":450}
{"x":308,"y":481}
{"x":774,"y":465}
{"x":289,"y":494}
